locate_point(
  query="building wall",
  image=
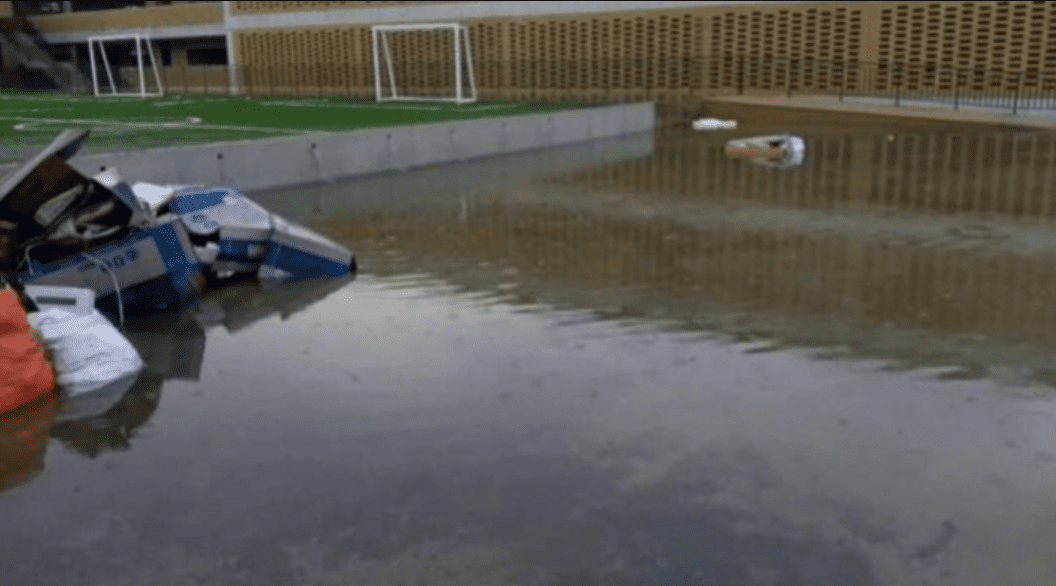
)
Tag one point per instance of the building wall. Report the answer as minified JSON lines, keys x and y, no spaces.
{"x":697,"y":49}
{"x":129,"y":19}
{"x":635,"y":50}
{"x":631,"y":55}
{"x":176,"y":79}
{"x":975,"y":37}
{"x":257,"y":7}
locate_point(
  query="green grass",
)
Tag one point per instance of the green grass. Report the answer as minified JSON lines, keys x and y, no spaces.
{"x":30,"y":121}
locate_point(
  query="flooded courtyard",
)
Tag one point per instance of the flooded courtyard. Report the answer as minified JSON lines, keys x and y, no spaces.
{"x":620,"y":363}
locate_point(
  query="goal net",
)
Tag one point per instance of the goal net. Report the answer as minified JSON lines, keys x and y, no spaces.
{"x":423,"y":62}
{"x":120,"y":66}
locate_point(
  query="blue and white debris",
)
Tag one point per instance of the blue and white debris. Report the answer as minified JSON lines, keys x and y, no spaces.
{"x":244,"y":237}
{"x":144,"y":248}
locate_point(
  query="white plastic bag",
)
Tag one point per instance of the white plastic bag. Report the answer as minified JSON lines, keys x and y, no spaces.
{"x":88,"y":351}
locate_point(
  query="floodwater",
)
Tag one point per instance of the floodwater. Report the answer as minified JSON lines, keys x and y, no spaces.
{"x":631,"y":362}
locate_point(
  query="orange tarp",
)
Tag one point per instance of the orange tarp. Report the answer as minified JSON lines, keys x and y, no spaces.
{"x":25,"y":373}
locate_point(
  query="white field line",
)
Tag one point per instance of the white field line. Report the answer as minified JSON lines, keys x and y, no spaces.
{"x":309,"y":103}
{"x":320,"y":104}
{"x":25,"y":123}
{"x":48,"y":98}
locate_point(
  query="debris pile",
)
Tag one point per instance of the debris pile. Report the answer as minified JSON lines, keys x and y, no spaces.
{"x":80,"y":248}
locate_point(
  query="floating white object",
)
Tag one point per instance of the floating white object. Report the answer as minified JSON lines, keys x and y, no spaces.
{"x":795,"y":151}
{"x":88,"y":352}
{"x":714,"y":124}
{"x":779,"y":150}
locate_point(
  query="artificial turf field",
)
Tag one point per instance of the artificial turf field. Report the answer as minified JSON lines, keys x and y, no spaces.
{"x":30,"y":121}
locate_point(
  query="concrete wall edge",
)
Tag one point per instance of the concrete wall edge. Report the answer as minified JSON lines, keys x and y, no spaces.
{"x":258,"y":165}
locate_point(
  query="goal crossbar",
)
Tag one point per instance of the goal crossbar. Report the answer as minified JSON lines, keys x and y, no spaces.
{"x":139,"y":41}
{"x":463,"y":60}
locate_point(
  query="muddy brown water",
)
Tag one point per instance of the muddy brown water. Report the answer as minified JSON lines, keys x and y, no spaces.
{"x":627,"y":362}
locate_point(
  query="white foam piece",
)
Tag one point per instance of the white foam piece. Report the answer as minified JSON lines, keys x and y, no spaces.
{"x":154,"y":195}
{"x":714,"y":124}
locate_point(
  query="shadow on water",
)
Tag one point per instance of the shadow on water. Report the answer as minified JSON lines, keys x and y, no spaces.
{"x":172,"y":347}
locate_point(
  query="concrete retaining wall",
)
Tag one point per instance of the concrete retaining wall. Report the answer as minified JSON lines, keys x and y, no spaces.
{"x":282,"y":162}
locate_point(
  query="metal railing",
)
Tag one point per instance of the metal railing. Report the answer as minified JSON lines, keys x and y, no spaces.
{"x":898,"y":84}
{"x":892,"y":83}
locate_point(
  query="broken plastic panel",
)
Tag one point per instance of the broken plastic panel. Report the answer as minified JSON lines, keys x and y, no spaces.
{"x":155,"y":269}
{"x":249,"y":238}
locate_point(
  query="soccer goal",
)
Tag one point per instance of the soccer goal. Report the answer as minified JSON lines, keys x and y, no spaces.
{"x":423,"y":62}
{"x":122,"y":59}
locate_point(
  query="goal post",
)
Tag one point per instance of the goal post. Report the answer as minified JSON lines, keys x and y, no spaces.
{"x":423,"y":62}
{"x":110,"y":81}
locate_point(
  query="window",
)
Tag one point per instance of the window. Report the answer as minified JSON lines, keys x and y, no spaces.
{"x":207,"y":56}
{"x":207,"y":51}
{"x":85,"y":6}
{"x":34,"y":8}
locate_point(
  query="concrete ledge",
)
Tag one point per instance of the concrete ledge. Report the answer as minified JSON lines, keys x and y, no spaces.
{"x":808,"y":109}
{"x":287,"y":161}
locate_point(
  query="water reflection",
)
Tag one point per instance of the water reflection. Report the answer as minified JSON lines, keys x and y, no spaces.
{"x":805,"y":256}
{"x":172,"y":347}
{"x":399,"y":432}
{"x":114,"y":428}
{"x":24,"y":441}
{"x":1008,"y":173}
{"x":238,"y":306}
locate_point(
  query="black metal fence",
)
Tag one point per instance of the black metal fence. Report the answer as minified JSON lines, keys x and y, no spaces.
{"x":891,"y":83}
{"x":902,"y":84}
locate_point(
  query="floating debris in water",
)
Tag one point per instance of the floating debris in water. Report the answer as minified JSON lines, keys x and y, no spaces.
{"x":143,"y":248}
{"x":783,"y":150}
{"x":714,"y":124}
